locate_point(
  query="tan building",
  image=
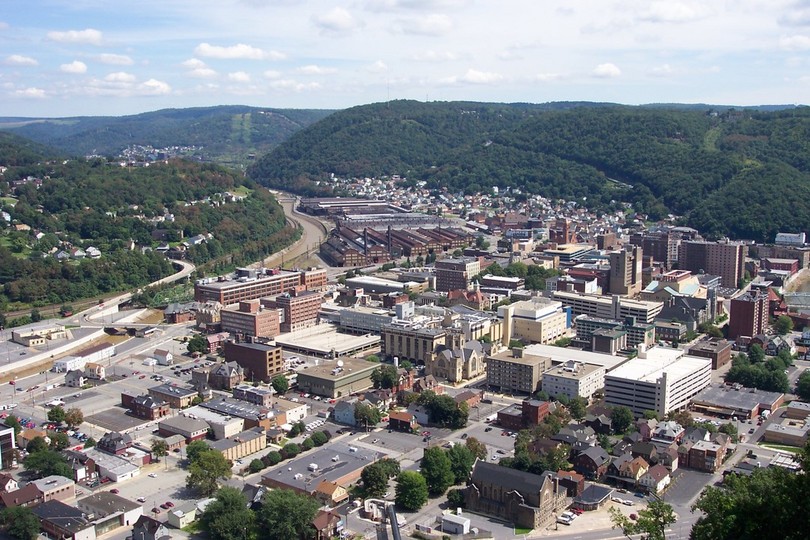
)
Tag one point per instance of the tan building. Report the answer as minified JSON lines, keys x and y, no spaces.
{"x":625,"y":271}
{"x":417,"y":344}
{"x":459,"y":364}
{"x":260,"y":362}
{"x":56,"y":488}
{"x":177,"y":397}
{"x":338,"y":378}
{"x":512,"y":371}
{"x":538,"y":320}
{"x":250,"y":318}
{"x":241,"y":445}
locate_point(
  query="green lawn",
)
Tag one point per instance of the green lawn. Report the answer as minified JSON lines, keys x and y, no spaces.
{"x":781,"y":447}
{"x":10,"y":201}
{"x":520,"y":530}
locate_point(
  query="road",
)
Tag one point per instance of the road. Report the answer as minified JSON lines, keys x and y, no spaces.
{"x":313,"y":233}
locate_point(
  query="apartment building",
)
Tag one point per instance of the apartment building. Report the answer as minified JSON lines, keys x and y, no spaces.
{"x":299,"y":308}
{"x":748,"y":315}
{"x":251,"y":319}
{"x":251,"y":284}
{"x":513,"y":371}
{"x":260,"y":361}
{"x":725,"y":259}
{"x":574,"y":379}
{"x":452,"y":274}
{"x":607,"y":307}
{"x":625,"y":271}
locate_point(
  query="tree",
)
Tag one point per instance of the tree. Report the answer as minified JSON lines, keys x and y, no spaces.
{"x":373,"y":358}
{"x":195,"y":448}
{"x":159,"y":448}
{"x":74,"y":417}
{"x":47,"y":463}
{"x":228,"y":517}
{"x":783,"y":325}
{"x":280,"y":384}
{"x":307,"y":444}
{"x":36,"y":444}
{"x":411,"y":491}
{"x":290,"y":450}
{"x":756,"y":353}
{"x":621,"y":418}
{"x":366,"y":415}
{"x":197,"y":344}
{"x":255,"y":466}
{"x":20,"y":522}
{"x":13,"y":422}
{"x":803,"y":386}
{"x":36,"y":316}
{"x":90,"y":442}
{"x":729,"y":429}
{"x":204,"y":472}
{"x":285,"y":515}
{"x":406,"y":365}
{"x":651,"y":524}
{"x":319,"y":438}
{"x":477,"y":448}
{"x":59,"y":440}
{"x":375,"y":480}
{"x":650,"y":415}
{"x":385,"y":376}
{"x":56,"y":414}
{"x":578,"y":407}
{"x":437,"y":469}
{"x":461,"y":462}
{"x":273,"y":458}
{"x":455,"y":498}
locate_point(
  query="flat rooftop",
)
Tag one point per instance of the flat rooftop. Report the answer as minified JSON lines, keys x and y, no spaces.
{"x":651,"y":368}
{"x":560,"y":355}
{"x":295,"y":474}
{"x":351,"y":366}
{"x":233,"y":282}
{"x":322,"y":339}
{"x":729,"y":397}
{"x":580,"y":371}
{"x":527,"y":358}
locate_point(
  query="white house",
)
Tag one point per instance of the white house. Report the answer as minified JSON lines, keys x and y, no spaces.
{"x":163,"y":357}
{"x":68,"y":363}
{"x":656,"y":479}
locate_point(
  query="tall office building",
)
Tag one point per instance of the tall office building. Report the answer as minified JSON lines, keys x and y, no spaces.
{"x":748,"y":315}
{"x":625,"y":271}
{"x":725,"y":259}
{"x":452,"y":274}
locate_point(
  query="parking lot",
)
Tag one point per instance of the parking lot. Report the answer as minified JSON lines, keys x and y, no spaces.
{"x":115,"y":419}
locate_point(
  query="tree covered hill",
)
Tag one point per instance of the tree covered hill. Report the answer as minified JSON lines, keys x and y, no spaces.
{"x":741,"y":173}
{"x":224,"y":132}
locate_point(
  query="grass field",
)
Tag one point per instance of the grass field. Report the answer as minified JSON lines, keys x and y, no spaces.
{"x":780,"y":447}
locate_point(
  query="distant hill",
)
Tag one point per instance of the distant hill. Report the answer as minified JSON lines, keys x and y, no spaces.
{"x":226,"y":133}
{"x":16,"y":151}
{"x":744,"y":173}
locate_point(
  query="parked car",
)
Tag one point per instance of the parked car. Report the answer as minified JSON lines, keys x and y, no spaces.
{"x":169,"y":504}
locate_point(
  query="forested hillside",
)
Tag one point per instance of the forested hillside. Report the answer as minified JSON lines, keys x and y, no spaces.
{"x":77,"y":204}
{"x":740,"y":173}
{"x":225,"y":133}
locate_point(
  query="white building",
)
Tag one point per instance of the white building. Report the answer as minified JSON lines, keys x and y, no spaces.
{"x":538,"y":320}
{"x":68,"y":363}
{"x":111,"y":466}
{"x":659,"y":379}
{"x":607,"y":307}
{"x":574,"y":379}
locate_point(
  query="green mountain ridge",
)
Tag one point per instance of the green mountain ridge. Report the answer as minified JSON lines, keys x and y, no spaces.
{"x":741,"y":173}
{"x":227,"y":133}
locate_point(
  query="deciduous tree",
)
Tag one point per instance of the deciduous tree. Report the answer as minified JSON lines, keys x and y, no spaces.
{"x":286,"y":515}
{"x":411,"y":491}
{"x":228,"y":517}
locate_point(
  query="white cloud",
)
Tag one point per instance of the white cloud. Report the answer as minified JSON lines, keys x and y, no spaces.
{"x":377,"y":67}
{"x":202,"y":73}
{"x":312,"y":69}
{"x":795,"y":17}
{"x":430,"y":25}
{"x":795,"y":43}
{"x":74,"y":67}
{"x":32,"y":92}
{"x":19,"y":60}
{"x":337,"y":20}
{"x":671,"y":12}
{"x":481,"y":77}
{"x":120,"y":77}
{"x":239,"y":76}
{"x":289,"y":84}
{"x":153,"y":87}
{"x":239,"y":51}
{"x":435,"y":56}
{"x":271,"y":74}
{"x":193,"y":63}
{"x":607,"y":71}
{"x":664,"y":70}
{"x":548,"y":77}
{"x":88,"y":36}
{"x":115,"y":59}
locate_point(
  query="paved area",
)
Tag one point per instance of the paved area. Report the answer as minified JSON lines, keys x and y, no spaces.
{"x":115,"y":419}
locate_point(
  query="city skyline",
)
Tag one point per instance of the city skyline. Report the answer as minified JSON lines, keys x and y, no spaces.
{"x":91,"y":57}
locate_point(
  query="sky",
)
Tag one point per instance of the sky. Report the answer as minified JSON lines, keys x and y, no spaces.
{"x":113,"y":57}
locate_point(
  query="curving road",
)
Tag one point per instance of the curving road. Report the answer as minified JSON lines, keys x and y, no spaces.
{"x":313,"y":233}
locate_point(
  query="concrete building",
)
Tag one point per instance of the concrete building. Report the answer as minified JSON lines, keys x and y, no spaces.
{"x":176,"y":396}
{"x":193,"y":429}
{"x":538,"y":320}
{"x":574,"y":379}
{"x":725,"y":259}
{"x":362,"y":319}
{"x":452,"y":274}
{"x":739,"y":401}
{"x":416,"y":342}
{"x":625,"y":271}
{"x":60,"y":520}
{"x":252,"y":284}
{"x":299,"y":309}
{"x":748,"y":315}
{"x":660,"y":380}
{"x":250,"y":319}
{"x":638,"y":333}
{"x":513,"y":371}
{"x":260,"y":362}
{"x":243,"y":444}
{"x":109,"y":511}
{"x":716,"y":349}
{"x":607,"y":307}
{"x":338,"y":378}
{"x":56,"y":488}
{"x":253,"y":394}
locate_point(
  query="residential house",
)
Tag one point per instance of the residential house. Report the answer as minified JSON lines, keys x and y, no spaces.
{"x":646,"y":450}
{"x":600,"y":423}
{"x":145,"y":406}
{"x":705,"y":456}
{"x":656,"y":479}
{"x":75,"y":378}
{"x":646,"y":427}
{"x":380,"y":398}
{"x":579,"y":437}
{"x":330,"y":493}
{"x":95,"y":371}
{"x":114,"y":443}
{"x":327,"y":524}
{"x":592,"y":463}
{"x":343,"y":412}
{"x":83,"y":466}
{"x":631,"y":469}
{"x":28,"y":496}
{"x":402,"y":421}
{"x":164,"y":357}
{"x":8,"y":483}
{"x":668,"y":432}
{"x":148,"y":528}
{"x":572,"y":481}
{"x":182,"y":515}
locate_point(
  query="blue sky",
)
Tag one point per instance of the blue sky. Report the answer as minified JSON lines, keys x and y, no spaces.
{"x":109,"y":57}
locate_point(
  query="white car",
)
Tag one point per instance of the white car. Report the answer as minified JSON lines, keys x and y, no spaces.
{"x":152,"y":475}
